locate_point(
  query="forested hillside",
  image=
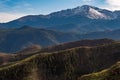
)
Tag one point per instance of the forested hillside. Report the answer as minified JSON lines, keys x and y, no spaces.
{"x":67,"y":64}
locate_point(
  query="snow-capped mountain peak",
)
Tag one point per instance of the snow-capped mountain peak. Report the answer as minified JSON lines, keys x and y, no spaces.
{"x":85,"y":10}
{"x":94,"y":12}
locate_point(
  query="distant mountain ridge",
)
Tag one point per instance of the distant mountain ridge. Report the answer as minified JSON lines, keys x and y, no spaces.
{"x":12,"y":40}
{"x":82,"y":19}
{"x":85,"y":22}
{"x":87,"y":11}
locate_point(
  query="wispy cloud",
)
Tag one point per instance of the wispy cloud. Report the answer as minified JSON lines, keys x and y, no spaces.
{"x":113,"y":4}
{"x":108,"y":4}
{"x":6,"y":17}
{"x":17,"y":10}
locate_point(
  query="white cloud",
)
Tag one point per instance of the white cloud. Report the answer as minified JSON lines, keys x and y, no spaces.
{"x":6,"y":17}
{"x":9,"y":13}
{"x":113,"y":4}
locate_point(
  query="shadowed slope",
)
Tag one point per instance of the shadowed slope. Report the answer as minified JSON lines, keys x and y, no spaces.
{"x":13,"y":40}
{"x":63,"y":65}
{"x":112,"y":73}
{"x":34,"y":49}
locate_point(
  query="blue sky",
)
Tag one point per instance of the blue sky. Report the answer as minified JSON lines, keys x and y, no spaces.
{"x":12,"y":9}
{"x":42,"y":6}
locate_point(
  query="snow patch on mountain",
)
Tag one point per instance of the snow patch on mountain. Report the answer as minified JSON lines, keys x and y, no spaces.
{"x":94,"y":14}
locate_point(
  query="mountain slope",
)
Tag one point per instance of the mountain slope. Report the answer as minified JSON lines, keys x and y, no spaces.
{"x":29,"y":51}
{"x":64,"y":65}
{"x":80,"y":43}
{"x":94,"y":12}
{"x":82,"y":19}
{"x":13,"y":40}
{"x":104,"y":34}
{"x":112,"y":73}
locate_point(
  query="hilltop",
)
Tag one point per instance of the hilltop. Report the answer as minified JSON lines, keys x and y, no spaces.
{"x":112,"y":73}
{"x":68,"y":64}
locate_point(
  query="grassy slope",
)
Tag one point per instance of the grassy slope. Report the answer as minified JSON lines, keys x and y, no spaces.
{"x":112,"y":73}
{"x":63,"y":65}
{"x":8,"y":59}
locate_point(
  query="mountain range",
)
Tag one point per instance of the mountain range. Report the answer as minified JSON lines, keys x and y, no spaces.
{"x":80,"y":23}
{"x":74,"y":44}
{"x":66,"y":64}
{"x":12,"y":40}
{"x":33,"y":49}
{"x":78,"y":20}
